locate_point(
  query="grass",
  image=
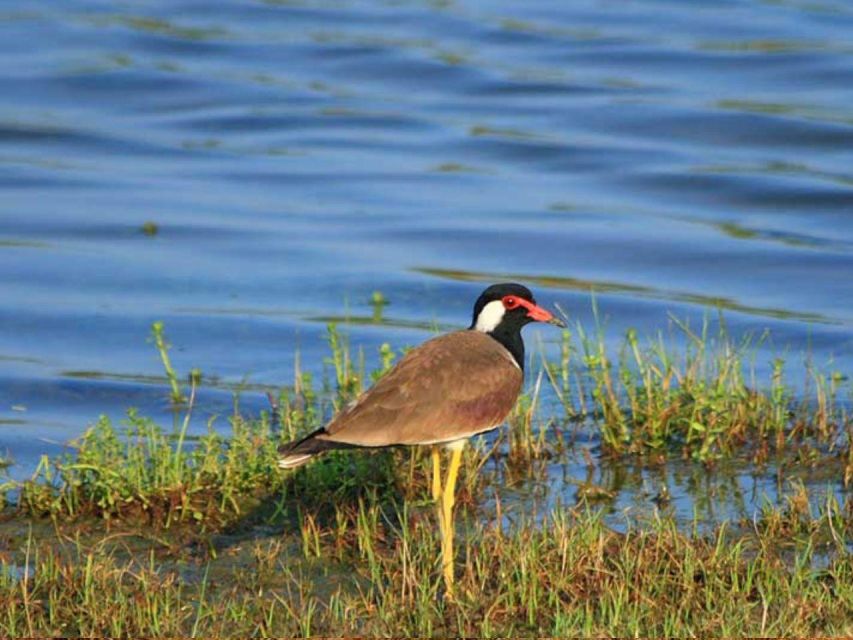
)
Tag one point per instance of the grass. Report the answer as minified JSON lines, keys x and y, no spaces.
{"x":567,"y":574}
{"x":143,"y":472}
{"x":141,"y":530}
{"x":702,"y":400}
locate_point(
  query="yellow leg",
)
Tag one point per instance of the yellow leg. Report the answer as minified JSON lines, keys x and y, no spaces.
{"x":436,"y":474}
{"x":448,"y":499}
{"x":436,"y":491}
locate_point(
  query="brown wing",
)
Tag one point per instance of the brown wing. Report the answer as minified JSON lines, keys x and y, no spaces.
{"x":450,"y":387}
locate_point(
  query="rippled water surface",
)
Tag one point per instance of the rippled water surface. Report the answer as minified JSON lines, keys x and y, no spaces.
{"x":297,"y":156}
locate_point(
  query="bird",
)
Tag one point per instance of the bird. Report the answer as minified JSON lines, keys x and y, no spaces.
{"x":440,"y":394}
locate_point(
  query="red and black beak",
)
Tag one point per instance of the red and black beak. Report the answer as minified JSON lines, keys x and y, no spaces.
{"x":537,"y":313}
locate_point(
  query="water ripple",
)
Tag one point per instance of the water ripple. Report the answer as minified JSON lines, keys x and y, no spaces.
{"x":290,"y":158}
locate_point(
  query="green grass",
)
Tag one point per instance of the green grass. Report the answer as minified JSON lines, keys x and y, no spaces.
{"x":141,"y":530}
{"x":702,"y":400}
{"x":372,"y":570}
{"x":143,"y":472}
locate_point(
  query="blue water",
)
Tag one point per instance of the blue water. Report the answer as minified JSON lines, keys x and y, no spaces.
{"x":676,"y":158}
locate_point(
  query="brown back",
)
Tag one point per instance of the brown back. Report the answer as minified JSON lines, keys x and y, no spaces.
{"x":450,"y":387}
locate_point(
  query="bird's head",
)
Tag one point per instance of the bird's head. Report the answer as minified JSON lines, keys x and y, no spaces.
{"x":507,"y":307}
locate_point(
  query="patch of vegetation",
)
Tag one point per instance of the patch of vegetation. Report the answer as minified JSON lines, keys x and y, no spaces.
{"x":149,"y":228}
{"x":373,"y":572}
{"x":702,"y":400}
{"x":143,"y":472}
{"x":159,"y":532}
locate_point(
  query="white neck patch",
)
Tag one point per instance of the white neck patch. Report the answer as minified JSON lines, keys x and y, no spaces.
{"x":490,"y":316}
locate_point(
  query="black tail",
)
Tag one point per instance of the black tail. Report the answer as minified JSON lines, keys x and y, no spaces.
{"x":296,"y":453}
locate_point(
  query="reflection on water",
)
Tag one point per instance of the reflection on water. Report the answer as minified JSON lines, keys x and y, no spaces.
{"x":733,"y":490}
{"x":290,"y":159}
{"x":633,"y":290}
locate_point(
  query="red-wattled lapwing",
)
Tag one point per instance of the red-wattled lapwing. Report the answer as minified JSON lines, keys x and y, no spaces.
{"x":441,"y":393}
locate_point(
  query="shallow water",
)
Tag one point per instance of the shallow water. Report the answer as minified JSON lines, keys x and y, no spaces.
{"x":297,"y":156}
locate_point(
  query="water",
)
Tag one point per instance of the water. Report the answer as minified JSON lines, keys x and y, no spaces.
{"x":298,"y":156}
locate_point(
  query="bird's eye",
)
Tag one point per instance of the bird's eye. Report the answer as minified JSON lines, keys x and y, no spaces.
{"x":510,"y":302}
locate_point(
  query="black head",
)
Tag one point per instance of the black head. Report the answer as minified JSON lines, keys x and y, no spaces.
{"x":503,"y":309}
{"x":498,"y":313}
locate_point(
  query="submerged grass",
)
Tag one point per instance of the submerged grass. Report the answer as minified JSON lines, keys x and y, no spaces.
{"x":204,"y":536}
